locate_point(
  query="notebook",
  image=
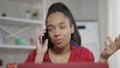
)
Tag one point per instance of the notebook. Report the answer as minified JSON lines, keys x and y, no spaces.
{"x":67,"y":65}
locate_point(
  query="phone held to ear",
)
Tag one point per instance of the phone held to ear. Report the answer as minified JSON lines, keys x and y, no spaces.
{"x":41,"y":41}
{"x":43,"y":38}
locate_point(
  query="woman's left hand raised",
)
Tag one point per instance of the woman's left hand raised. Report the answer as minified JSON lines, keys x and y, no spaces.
{"x":110,"y":48}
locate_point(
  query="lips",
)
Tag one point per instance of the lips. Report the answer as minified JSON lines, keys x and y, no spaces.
{"x":58,"y":41}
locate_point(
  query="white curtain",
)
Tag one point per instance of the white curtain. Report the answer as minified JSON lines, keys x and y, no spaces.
{"x":114,"y":29}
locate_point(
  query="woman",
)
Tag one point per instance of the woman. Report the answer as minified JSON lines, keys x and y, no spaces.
{"x":63,"y":42}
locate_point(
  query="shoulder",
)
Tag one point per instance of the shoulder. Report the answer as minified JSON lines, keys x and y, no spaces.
{"x":84,"y":54}
{"x":31,"y":57}
{"x":32,"y":53}
{"x":81,"y":49}
{"x":77,"y":48}
{"x":84,"y":49}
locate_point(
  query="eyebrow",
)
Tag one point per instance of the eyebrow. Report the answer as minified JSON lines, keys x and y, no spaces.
{"x":50,"y":25}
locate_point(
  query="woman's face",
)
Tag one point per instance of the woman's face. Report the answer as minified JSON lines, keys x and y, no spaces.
{"x":59,"y":29}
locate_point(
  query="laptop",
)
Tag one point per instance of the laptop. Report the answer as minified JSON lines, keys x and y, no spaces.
{"x":68,"y":65}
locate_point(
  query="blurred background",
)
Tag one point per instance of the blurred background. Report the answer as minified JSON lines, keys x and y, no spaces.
{"x":21,"y":20}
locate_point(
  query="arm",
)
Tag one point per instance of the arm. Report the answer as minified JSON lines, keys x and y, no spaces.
{"x":110,"y":48}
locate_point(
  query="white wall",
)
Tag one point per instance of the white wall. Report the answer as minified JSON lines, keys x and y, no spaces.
{"x":17,"y":8}
{"x":11,"y":8}
{"x":103,"y":21}
{"x":81,"y":9}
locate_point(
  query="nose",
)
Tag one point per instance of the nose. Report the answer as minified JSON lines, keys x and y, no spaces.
{"x":57,"y":32}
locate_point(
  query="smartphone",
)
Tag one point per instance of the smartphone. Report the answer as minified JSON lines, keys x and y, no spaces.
{"x":42,"y":39}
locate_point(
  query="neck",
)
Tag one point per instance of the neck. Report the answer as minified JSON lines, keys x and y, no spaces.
{"x":62,"y":51}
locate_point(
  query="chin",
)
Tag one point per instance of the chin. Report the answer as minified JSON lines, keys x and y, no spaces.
{"x":59,"y":46}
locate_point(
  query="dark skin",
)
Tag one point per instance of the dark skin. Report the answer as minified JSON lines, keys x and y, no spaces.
{"x":60,"y":31}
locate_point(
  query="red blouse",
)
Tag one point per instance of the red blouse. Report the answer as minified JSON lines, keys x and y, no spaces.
{"x":78,"y":54}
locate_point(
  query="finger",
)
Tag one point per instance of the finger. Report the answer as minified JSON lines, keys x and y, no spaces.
{"x":116,"y":39}
{"x":38,"y":45}
{"x":117,"y":42}
{"x":106,"y":43}
{"x":119,"y":38}
{"x":107,"y":47}
{"x":41,"y":33}
{"x":119,"y":35}
{"x":110,"y":40}
{"x":46,"y":44}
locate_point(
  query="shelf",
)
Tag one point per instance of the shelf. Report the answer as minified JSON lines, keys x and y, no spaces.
{"x":12,"y":20}
{"x":15,"y":24}
{"x":18,"y":46}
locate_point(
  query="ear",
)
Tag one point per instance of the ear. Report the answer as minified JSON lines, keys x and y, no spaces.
{"x":72,"y":28}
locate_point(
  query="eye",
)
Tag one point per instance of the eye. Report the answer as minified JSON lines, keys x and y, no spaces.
{"x":62,"y":27}
{"x":50,"y":29}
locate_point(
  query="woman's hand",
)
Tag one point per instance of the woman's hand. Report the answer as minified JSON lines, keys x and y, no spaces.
{"x":41,"y":49}
{"x":110,"y":48}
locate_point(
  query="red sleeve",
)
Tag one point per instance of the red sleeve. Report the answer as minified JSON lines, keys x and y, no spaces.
{"x":31,"y":57}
